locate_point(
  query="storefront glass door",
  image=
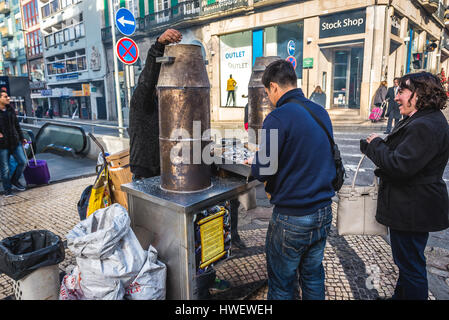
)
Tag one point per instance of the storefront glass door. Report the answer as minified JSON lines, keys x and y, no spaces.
{"x":341,"y":79}
{"x":347,"y":77}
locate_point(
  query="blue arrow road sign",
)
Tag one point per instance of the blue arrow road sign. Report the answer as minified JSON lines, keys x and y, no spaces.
{"x":291,"y":48}
{"x":125,"y":21}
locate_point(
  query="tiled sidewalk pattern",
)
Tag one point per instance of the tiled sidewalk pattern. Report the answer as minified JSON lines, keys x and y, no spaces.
{"x":356,"y":267}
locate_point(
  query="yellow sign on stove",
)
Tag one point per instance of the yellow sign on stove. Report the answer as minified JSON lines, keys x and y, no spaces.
{"x":212,"y":238}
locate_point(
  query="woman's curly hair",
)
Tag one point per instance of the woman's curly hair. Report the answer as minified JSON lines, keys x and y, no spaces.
{"x":430,"y":93}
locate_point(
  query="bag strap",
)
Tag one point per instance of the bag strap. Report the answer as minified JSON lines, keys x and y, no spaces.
{"x":357,"y":172}
{"x":331,"y":141}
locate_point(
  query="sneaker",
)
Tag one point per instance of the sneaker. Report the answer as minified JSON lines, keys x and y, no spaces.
{"x":387,"y":132}
{"x":17,"y":186}
{"x":8,"y":193}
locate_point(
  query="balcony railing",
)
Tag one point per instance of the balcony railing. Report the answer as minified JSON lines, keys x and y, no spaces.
{"x":4,"y":7}
{"x":181,"y":11}
{"x":185,"y":10}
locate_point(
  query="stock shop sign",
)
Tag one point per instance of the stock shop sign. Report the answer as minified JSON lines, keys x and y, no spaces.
{"x":343,"y":23}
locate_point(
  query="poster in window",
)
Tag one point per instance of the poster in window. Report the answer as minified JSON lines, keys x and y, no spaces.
{"x":235,"y":61}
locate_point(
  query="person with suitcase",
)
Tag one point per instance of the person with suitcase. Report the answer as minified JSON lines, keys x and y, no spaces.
{"x":11,"y":138}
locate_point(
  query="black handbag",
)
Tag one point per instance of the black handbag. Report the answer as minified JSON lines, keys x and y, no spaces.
{"x":337,"y":183}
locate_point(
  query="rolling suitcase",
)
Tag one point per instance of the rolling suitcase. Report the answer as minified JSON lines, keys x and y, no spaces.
{"x":36,"y":172}
{"x":375,"y":114}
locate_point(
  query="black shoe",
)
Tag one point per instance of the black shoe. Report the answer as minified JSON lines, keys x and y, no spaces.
{"x":8,"y":194}
{"x":387,"y":132}
{"x":17,"y":186}
{"x":237,"y":242}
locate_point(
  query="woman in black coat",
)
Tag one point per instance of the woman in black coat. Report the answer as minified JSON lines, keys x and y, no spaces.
{"x":413,"y":198}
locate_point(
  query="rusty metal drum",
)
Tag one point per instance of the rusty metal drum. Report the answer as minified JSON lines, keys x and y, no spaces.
{"x":184,"y":119}
{"x":259,"y":106}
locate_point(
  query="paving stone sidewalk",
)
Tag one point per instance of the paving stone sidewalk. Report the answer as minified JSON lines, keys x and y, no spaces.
{"x":357,"y":267}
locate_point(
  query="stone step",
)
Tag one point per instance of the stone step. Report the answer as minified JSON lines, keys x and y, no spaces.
{"x":343,"y":112}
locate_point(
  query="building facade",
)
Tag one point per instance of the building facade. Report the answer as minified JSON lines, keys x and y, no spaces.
{"x":34,"y":53}
{"x":347,"y":47}
{"x":12,"y":39}
{"x":74,"y":59}
{"x":13,"y":60}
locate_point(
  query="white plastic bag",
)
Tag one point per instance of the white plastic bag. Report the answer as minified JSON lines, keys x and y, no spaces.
{"x":108,"y":254}
{"x":70,"y":286}
{"x":150,"y":282}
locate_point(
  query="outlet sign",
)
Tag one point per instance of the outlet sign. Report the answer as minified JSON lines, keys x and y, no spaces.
{"x":343,"y":23}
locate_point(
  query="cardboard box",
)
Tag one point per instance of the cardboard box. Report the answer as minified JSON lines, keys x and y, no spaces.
{"x":119,"y":173}
{"x":118,"y":159}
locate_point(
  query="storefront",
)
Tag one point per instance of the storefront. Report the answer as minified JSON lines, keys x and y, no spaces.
{"x":71,"y":102}
{"x":342,"y":61}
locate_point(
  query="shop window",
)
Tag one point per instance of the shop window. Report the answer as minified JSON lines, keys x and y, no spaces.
{"x":235,"y":60}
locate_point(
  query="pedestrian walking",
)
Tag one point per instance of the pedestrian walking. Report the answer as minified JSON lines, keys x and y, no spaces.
{"x":393,"y":107}
{"x":318,"y":96}
{"x":230,"y":87}
{"x":50,"y":112}
{"x":413,"y":198}
{"x":298,"y":175}
{"x":380,"y":95}
{"x":11,"y":141}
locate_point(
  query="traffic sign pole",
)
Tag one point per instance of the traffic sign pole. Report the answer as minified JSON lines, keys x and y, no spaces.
{"x":116,"y":79}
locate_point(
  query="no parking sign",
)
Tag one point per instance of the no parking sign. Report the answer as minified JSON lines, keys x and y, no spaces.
{"x":127,"y":51}
{"x":292,"y":60}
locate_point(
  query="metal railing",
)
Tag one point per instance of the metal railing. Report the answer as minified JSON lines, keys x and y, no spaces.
{"x":73,"y":122}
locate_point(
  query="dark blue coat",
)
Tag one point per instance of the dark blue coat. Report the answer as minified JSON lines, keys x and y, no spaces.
{"x":393,"y":107}
{"x":302,"y":183}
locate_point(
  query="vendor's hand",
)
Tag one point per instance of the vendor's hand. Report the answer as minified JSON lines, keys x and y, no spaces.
{"x":170,"y":36}
{"x":371,"y":137}
{"x":1,"y":135}
{"x":248,"y":161}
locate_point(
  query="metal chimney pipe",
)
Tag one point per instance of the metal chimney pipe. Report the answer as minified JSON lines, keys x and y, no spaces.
{"x":259,"y":106}
{"x":184,"y":115}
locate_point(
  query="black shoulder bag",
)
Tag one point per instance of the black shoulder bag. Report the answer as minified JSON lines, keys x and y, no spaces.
{"x":337,"y":183}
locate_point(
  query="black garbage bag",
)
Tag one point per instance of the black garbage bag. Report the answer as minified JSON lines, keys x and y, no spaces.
{"x":24,"y":253}
{"x":83,"y":202}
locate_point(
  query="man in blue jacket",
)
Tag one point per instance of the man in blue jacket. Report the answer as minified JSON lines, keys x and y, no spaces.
{"x":295,"y":161}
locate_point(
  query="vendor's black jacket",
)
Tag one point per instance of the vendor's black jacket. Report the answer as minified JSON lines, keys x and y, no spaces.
{"x":144,"y":118}
{"x":10,"y":128}
{"x":411,"y":161}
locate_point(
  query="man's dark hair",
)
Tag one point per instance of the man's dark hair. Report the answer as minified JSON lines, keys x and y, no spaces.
{"x":397,"y":78}
{"x":427,"y":88}
{"x":280,"y":72}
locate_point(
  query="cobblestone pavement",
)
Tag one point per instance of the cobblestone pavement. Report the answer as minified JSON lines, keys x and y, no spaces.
{"x":357,"y":267}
